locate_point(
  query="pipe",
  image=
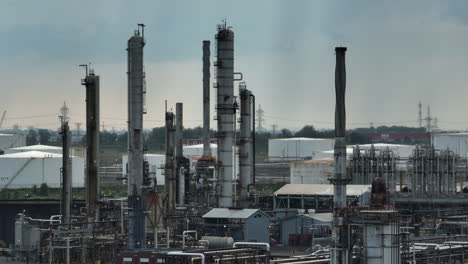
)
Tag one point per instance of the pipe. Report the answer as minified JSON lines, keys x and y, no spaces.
{"x":187,"y":232}
{"x":136,"y":109}
{"x":254,"y":161}
{"x":66,"y":200}
{"x":91,"y":82}
{"x":225,"y":114}
{"x":340,"y":253}
{"x":178,"y":253}
{"x":206,"y":99}
{"x":266,"y":245}
{"x":179,"y":138}
{"x":245,"y":144}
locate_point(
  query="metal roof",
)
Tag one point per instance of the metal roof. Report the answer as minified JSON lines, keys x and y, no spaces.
{"x":320,"y":189}
{"x":31,"y":155}
{"x":37,"y":147}
{"x":301,"y":139}
{"x":231,"y":213}
{"x":323,"y":217}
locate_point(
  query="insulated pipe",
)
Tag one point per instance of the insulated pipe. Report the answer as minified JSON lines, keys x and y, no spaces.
{"x":179,"y":139}
{"x":66,"y":173}
{"x":340,"y":253}
{"x":266,"y":245}
{"x":253,"y":139}
{"x":206,"y":99}
{"x":178,"y":253}
{"x":170,"y":171}
{"x":245,"y":145}
{"x":91,"y":82}
{"x":136,"y":92}
{"x":225,"y":114}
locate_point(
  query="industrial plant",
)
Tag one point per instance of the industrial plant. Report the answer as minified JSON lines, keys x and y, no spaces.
{"x":202,"y":203}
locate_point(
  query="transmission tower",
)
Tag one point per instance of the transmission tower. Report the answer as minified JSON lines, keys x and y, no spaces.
{"x":64,"y":114}
{"x":260,"y":118}
{"x":420,"y":114}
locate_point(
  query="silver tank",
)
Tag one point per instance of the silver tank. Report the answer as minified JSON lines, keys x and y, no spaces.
{"x":218,"y":242}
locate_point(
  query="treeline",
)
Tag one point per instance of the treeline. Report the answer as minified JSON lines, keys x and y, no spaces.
{"x":154,"y":139}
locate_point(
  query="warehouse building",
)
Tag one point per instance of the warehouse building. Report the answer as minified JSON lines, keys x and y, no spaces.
{"x":26,"y":169}
{"x":39,"y":147}
{"x":242,"y":224}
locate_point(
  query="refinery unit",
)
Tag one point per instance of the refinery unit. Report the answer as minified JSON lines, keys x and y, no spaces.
{"x":345,"y":203}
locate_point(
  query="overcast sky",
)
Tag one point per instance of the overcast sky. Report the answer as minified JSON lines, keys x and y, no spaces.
{"x":399,"y":53}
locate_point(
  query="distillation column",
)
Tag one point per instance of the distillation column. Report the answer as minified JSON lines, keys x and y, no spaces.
{"x":136,"y":90}
{"x":179,"y":139}
{"x":206,"y":99}
{"x":170,"y":168}
{"x":225,"y":113}
{"x":66,"y":173}
{"x":245,"y":144}
{"x":91,"y":82}
{"x":340,"y":253}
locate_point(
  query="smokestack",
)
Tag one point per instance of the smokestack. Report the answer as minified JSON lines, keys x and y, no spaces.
{"x":225,"y":113}
{"x":179,"y":137}
{"x":91,"y":83}
{"x":341,"y":250}
{"x":169,"y":173}
{"x":136,"y":91}
{"x":66,"y":173}
{"x":245,"y":144}
{"x":206,"y":99}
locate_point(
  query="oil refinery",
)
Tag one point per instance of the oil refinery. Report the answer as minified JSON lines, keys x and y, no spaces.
{"x":201,"y":203}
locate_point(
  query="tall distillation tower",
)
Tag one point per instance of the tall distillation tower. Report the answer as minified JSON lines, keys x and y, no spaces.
{"x":225,"y":113}
{"x":136,"y":93}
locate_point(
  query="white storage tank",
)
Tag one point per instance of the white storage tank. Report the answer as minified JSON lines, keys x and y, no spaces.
{"x":456,"y":142}
{"x":26,"y":169}
{"x":156,"y":163}
{"x":38,"y":147}
{"x":311,"y":171}
{"x":297,"y":148}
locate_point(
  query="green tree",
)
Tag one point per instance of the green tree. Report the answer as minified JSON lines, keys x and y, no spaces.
{"x":31,"y":138}
{"x":43,"y":190}
{"x":44,"y":136}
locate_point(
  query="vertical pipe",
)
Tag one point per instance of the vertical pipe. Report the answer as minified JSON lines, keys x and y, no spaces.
{"x":225,"y":113}
{"x":136,"y":91}
{"x":92,"y":149}
{"x":245,"y":144}
{"x":206,"y":99}
{"x":340,"y":252}
{"x":66,"y":173}
{"x":170,"y":180}
{"x":179,"y":138}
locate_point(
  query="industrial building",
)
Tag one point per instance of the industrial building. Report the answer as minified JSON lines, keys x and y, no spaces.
{"x":317,"y":196}
{"x":291,"y":149}
{"x":241,"y":224}
{"x":403,"y":151}
{"x":155,"y":165}
{"x":33,"y":168}
{"x":38,"y":147}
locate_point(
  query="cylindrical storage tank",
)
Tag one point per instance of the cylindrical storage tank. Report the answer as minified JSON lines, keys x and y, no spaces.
{"x":219,"y":242}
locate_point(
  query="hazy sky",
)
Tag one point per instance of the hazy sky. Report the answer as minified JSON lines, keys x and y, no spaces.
{"x":399,"y":53}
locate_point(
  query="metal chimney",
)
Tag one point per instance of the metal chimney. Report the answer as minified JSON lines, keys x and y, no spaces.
{"x":341,"y":253}
{"x":245,"y":144}
{"x":136,"y":91}
{"x":206,"y":99}
{"x":169,"y":173}
{"x":91,"y":82}
{"x":179,"y":139}
{"x":66,"y":173}
{"x":225,"y":113}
